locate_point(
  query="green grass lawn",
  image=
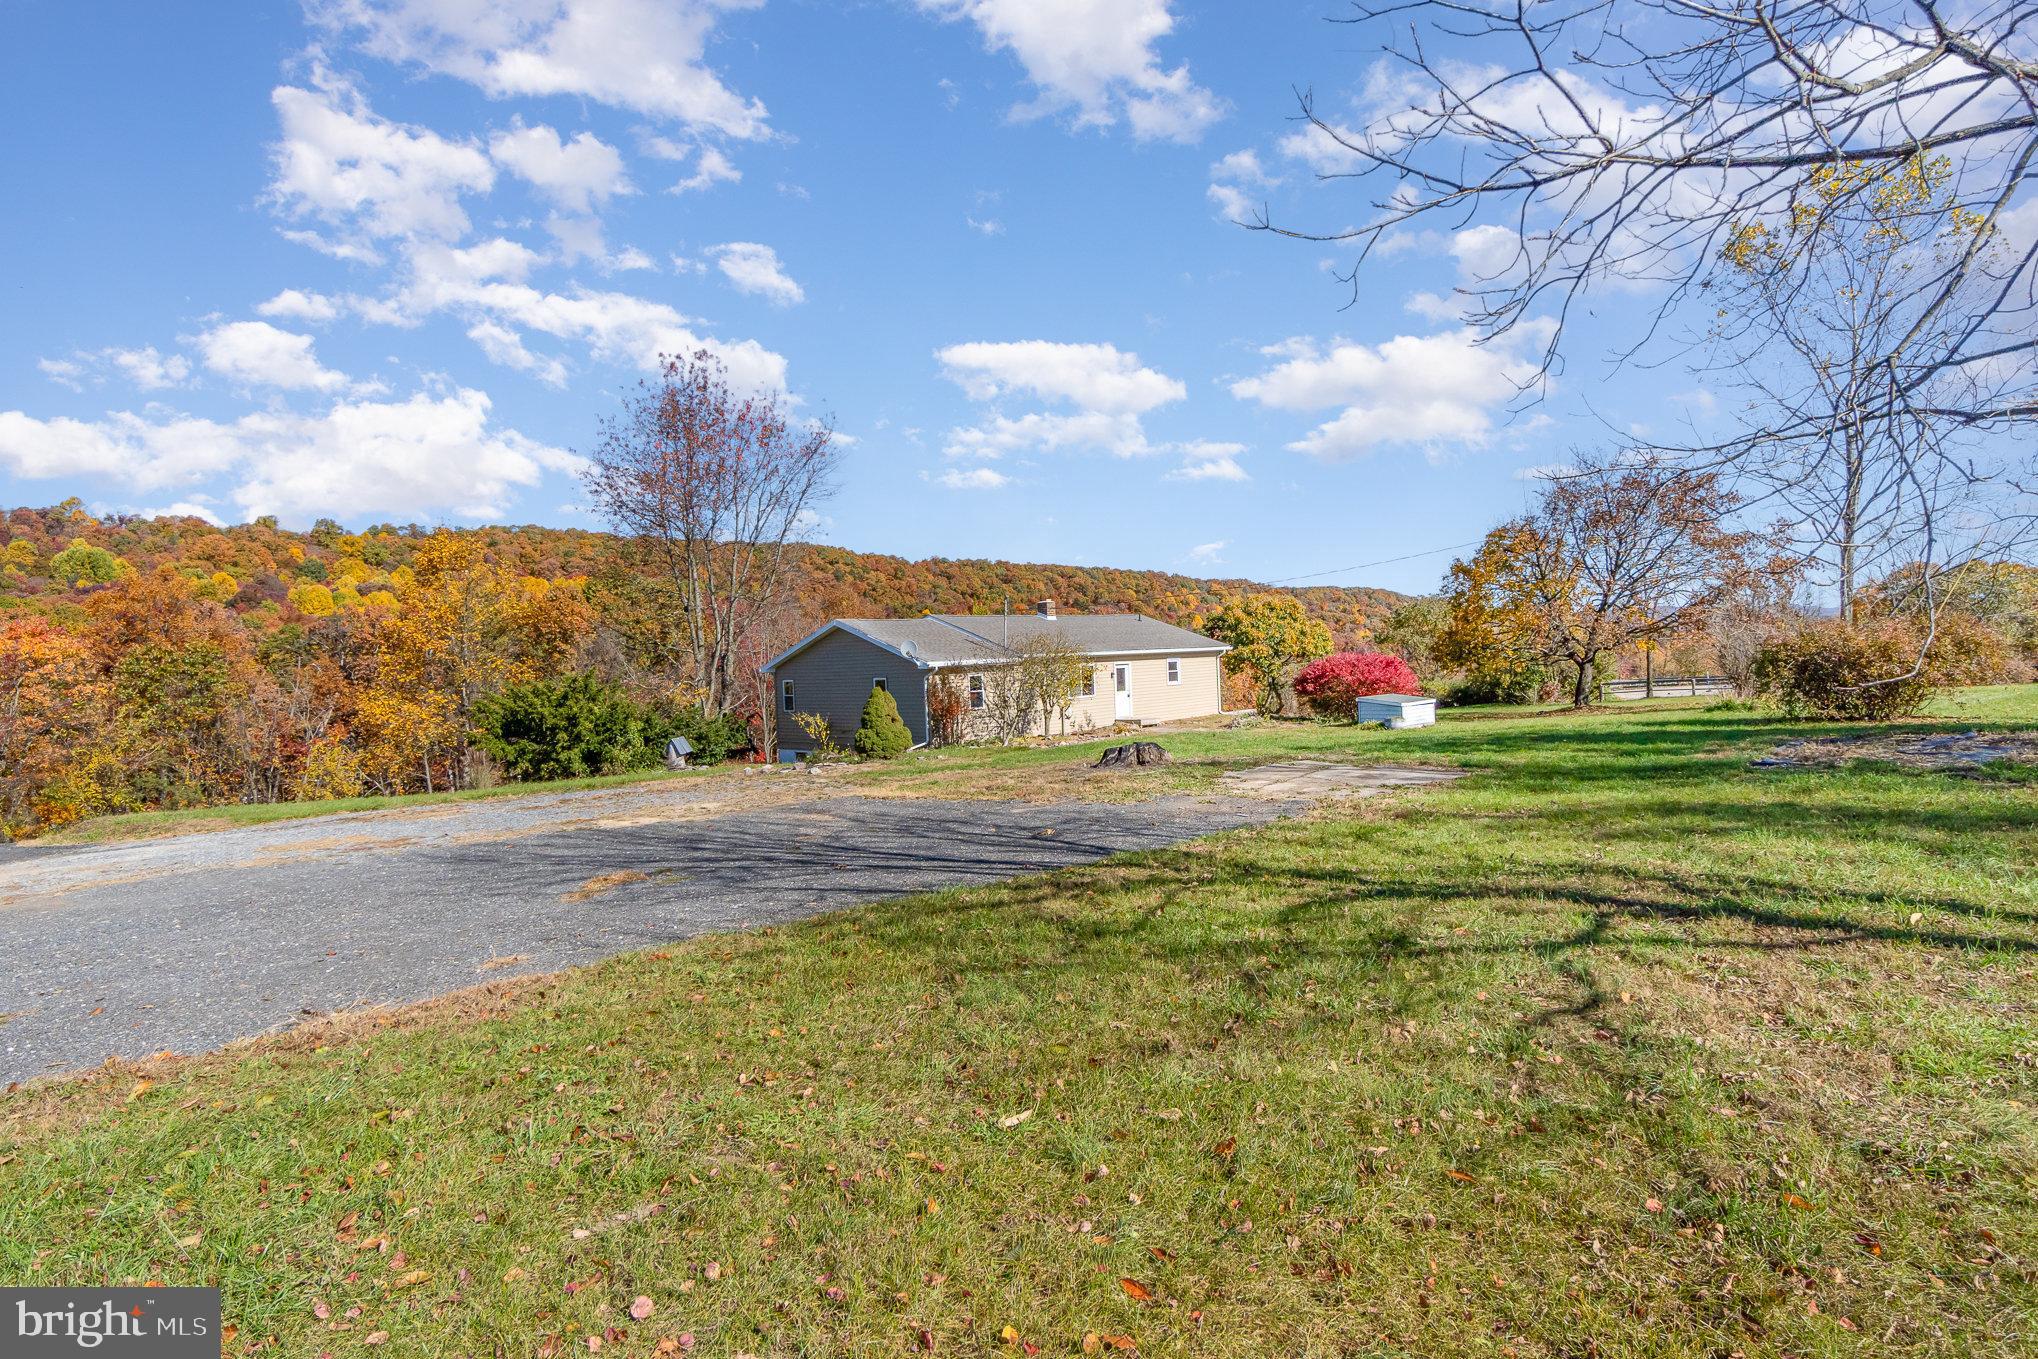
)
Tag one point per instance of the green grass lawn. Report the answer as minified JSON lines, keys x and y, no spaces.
{"x":1619,"y":1048}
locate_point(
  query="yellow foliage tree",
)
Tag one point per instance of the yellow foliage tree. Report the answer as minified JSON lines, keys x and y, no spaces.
{"x":313,"y":599}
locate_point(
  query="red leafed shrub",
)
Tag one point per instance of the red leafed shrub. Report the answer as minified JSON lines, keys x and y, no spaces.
{"x":1334,"y":685}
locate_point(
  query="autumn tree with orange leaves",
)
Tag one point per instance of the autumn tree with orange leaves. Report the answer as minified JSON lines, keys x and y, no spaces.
{"x":1608,"y":558}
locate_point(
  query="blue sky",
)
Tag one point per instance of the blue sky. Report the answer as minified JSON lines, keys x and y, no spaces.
{"x":393,"y":261}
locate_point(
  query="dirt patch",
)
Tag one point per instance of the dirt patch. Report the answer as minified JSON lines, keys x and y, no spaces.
{"x":1323,"y":779}
{"x":603,"y":883}
{"x":1911,"y":750}
{"x":505,"y":960}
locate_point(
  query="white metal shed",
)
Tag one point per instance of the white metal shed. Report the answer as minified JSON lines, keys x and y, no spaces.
{"x":1398,"y":710}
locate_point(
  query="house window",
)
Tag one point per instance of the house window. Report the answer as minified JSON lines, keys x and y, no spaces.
{"x":1090,"y":682}
{"x":786,"y":691}
{"x":976,"y":691}
{"x":879,"y":683}
{"x":1174,"y":672}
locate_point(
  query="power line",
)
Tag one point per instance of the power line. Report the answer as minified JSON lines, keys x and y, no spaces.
{"x":1367,"y":566}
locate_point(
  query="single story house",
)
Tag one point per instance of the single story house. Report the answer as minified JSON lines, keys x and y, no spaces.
{"x":1141,"y":670}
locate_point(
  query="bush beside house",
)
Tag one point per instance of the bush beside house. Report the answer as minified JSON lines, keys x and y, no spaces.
{"x":580,"y":725}
{"x":882,"y":735}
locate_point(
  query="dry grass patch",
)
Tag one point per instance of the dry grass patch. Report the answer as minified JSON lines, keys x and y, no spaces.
{"x":603,"y":883}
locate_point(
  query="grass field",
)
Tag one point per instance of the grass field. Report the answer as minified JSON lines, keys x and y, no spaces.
{"x":1619,"y":1048}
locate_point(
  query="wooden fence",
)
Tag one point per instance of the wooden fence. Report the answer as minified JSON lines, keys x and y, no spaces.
{"x":1664,"y":686}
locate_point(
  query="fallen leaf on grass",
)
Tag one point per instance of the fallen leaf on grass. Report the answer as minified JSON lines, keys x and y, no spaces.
{"x":1654,"y":1205}
{"x":1461,"y":1175}
{"x":140,"y":1088}
{"x":375,"y":1337}
{"x":1136,"y":1290}
{"x":1014,"y":1120}
{"x":642,"y":1307}
{"x":1224,"y":1150}
{"x":1797,"y":1201}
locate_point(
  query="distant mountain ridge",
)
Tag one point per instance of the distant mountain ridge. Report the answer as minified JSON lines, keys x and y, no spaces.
{"x":264,"y":561}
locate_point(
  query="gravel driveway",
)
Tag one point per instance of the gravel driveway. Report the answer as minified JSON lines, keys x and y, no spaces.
{"x":188,"y":943}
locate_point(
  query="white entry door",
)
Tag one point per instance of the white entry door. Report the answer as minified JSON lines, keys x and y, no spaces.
{"x":1121,"y":690}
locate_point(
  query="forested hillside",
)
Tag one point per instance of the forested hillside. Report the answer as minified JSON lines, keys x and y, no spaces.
{"x":169,"y":662}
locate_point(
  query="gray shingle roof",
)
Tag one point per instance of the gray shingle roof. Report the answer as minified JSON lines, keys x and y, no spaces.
{"x":966,"y":639}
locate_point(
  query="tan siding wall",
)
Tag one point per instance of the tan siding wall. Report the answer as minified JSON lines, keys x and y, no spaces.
{"x":1200,"y":692}
{"x":833,"y":677}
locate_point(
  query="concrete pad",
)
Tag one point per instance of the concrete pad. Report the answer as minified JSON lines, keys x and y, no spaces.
{"x":1321,"y":778}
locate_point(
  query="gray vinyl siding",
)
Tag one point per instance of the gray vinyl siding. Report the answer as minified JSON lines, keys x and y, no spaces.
{"x":833,"y":677}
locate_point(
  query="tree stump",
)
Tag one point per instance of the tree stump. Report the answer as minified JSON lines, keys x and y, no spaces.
{"x":1126,"y":756}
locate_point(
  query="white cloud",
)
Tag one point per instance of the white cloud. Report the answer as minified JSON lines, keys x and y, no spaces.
{"x":577,"y":175}
{"x":1427,"y":391}
{"x":975,"y":479}
{"x":1323,"y":151}
{"x":1108,"y":387}
{"x":1098,"y":378}
{"x":1230,"y":180}
{"x":755,"y":269}
{"x":187,"y":509}
{"x":485,"y":282}
{"x":259,"y":355}
{"x":1436,"y":307}
{"x":645,"y":55}
{"x":989,"y":226}
{"x":352,"y":252}
{"x":427,"y":456}
{"x":1486,"y":253}
{"x":69,"y":372}
{"x":1205,"y":460}
{"x":1095,"y":60}
{"x":142,"y":453}
{"x":1545,"y":471}
{"x":297,"y":305}
{"x":143,"y":368}
{"x":711,"y":169}
{"x":1039,"y":431}
{"x":339,"y":161}
{"x":506,"y":347}
{"x":1209,"y":553}
{"x":148,"y":370}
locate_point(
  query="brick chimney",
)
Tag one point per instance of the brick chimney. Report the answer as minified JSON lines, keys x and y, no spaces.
{"x":1045,"y":608}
